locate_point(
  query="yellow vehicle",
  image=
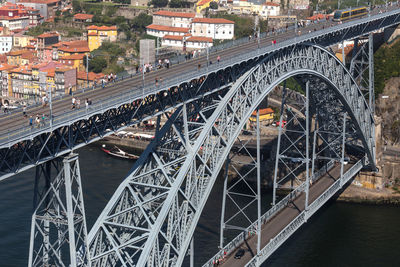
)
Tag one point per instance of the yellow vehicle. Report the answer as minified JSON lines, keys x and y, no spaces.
{"x":350,"y":13}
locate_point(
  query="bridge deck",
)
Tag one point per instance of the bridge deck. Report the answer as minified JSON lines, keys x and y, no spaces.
{"x":12,"y":125}
{"x":282,"y":219}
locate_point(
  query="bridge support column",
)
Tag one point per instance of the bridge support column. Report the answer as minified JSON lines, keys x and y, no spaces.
{"x":192,"y":252}
{"x":343,"y":149}
{"x":58,"y":222}
{"x":275,"y":185}
{"x":258,"y":184}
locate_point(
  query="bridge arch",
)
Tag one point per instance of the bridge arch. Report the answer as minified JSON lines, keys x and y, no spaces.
{"x":153,"y":214}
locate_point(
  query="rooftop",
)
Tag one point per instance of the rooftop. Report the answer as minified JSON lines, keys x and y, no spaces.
{"x":174,"y":14}
{"x":102,"y":28}
{"x":83,"y":16}
{"x":167,"y":28}
{"x":74,"y":57}
{"x":200,"y":39}
{"x":212,"y":21}
{"x":48,"y":34}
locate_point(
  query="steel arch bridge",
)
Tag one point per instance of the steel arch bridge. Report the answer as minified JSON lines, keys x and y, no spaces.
{"x":151,"y":218}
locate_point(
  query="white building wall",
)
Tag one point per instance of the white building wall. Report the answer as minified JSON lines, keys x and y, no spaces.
{"x":6,"y":43}
{"x":215,"y":31}
{"x":181,"y":22}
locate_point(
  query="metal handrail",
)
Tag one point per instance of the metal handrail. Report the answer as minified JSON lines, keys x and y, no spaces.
{"x":239,"y":239}
{"x":7,"y":139}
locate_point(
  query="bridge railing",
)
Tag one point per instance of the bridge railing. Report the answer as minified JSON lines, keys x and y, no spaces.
{"x":15,"y":134}
{"x":282,"y":236}
{"x":239,"y":239}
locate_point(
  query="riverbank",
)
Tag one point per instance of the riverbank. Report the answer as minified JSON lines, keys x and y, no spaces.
{"x":361,"y":195}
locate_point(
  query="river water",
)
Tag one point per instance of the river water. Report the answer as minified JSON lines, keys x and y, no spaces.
{"x":338,"y":235}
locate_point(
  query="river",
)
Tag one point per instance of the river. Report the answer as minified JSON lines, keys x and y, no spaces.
{"x":340,"y":234}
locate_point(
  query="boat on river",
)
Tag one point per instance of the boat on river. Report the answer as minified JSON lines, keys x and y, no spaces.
{"x":117,"y":152}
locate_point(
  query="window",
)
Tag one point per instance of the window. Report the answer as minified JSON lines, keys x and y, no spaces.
{"x":216,"y":32}
{"x":223,"y":32}
{"x":209,"y":32}
{"x":230,"y":32}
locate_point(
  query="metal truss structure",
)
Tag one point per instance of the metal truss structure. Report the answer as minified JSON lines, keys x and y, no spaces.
{"x":28,"y":148}
{"x":58,"y":230}
{"x":151,"y":218}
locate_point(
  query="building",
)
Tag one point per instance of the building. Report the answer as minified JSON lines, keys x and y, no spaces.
{"x":215,"y":28}
{"x":173,"y":19}
{"x":14,"y":23}
{"x":259,"y":7}
{"x":63,"y":49}
{"x":20,"y":40}
{"x":203,"y":4}
{"x":83,"y":17}
{"x":161,"y":30}
{"x":269,"y":9}
{"x":5,"y":79}
{"x":6,"y":44}
{"x":187,"y":41}
{"x":44,"y":41}
{"x":14,"y":57}
{"x":21,"y":82}
{"x":266,"y":115}
{"x":74,"y":61}
{"x":88,"y":79}
{"x":47,"y":8}
{"x":97,"y":35}
{"x":17,"y":10}
{"x":64,"y":79}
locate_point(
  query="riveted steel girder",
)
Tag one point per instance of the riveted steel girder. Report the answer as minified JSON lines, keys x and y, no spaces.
{"x":151,"y":218}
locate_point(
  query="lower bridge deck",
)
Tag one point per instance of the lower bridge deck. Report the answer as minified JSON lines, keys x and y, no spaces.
{"x":273,"y":227}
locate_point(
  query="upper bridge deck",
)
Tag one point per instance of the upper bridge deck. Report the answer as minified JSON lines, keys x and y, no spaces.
{"x":14,"y":128}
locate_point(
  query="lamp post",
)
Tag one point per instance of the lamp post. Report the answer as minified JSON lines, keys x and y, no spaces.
{"x":51,"y":107}
{"x":87,"y":70}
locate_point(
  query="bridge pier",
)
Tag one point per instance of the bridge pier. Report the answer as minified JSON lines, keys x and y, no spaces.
{"x":58,"y":230}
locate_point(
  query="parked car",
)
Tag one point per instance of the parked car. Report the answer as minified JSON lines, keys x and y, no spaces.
{"x":239,"y":253}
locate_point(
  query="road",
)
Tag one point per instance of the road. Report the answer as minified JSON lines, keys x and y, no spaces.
{"x":283,"y":218}
{"x":10,"y":124}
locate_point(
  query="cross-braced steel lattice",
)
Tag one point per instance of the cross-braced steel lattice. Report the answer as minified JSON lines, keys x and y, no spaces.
{"x":151,"y":218}
{"x":58,"y":231}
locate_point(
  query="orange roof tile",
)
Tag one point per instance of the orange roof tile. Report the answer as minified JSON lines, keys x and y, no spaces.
{"x":74,"y":57}
{"x":6,"y":66}
{"x":40,"y":1}
{"x":81,"y":75}
{"x":48,"y":34}
{"x":63,"y":69}
{"x":166,"y":28}
{"x":212,"y":21}
{"x":74,"y":49}
{"x":102,"y":28}
{"x":200,"y":39}
{"x":174,"y":14}
{"x":83,"y":16}
{"x":92,"y":34}
{"x":203,"y":2}
{"x":16,"y":53}
{"x":271,"y":4}
{"x":173,"y":37}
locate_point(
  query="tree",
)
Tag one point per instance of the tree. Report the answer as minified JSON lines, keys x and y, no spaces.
{"x":159,"y":3}
{"x":76,"y":6}
{"x":176,"y":3}
{"x":97,"y":64}
{"x":213,"y":5}
{"x":140,"y":22}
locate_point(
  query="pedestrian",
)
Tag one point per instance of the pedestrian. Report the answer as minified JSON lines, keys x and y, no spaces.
{"x":78,"y":103}
{"x":218,"y":59}
{"x":156,"y":81}
{"x":5,"y":107}
{"x":43,"y":120}
{"x":73,"y":102}
{"x":87,"y":104}
{"x":275,"y":42}
{"x":210,"y":63}
{"x":160,"y":80}
{"x":31,"y":121}
{"x":37,"y":121}
{"x":24,"y":111}
{"x":90,"y":102}
{"x":198,"y":67}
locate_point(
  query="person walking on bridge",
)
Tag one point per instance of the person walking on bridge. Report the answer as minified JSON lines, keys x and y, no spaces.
{"x":218,"y":59}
